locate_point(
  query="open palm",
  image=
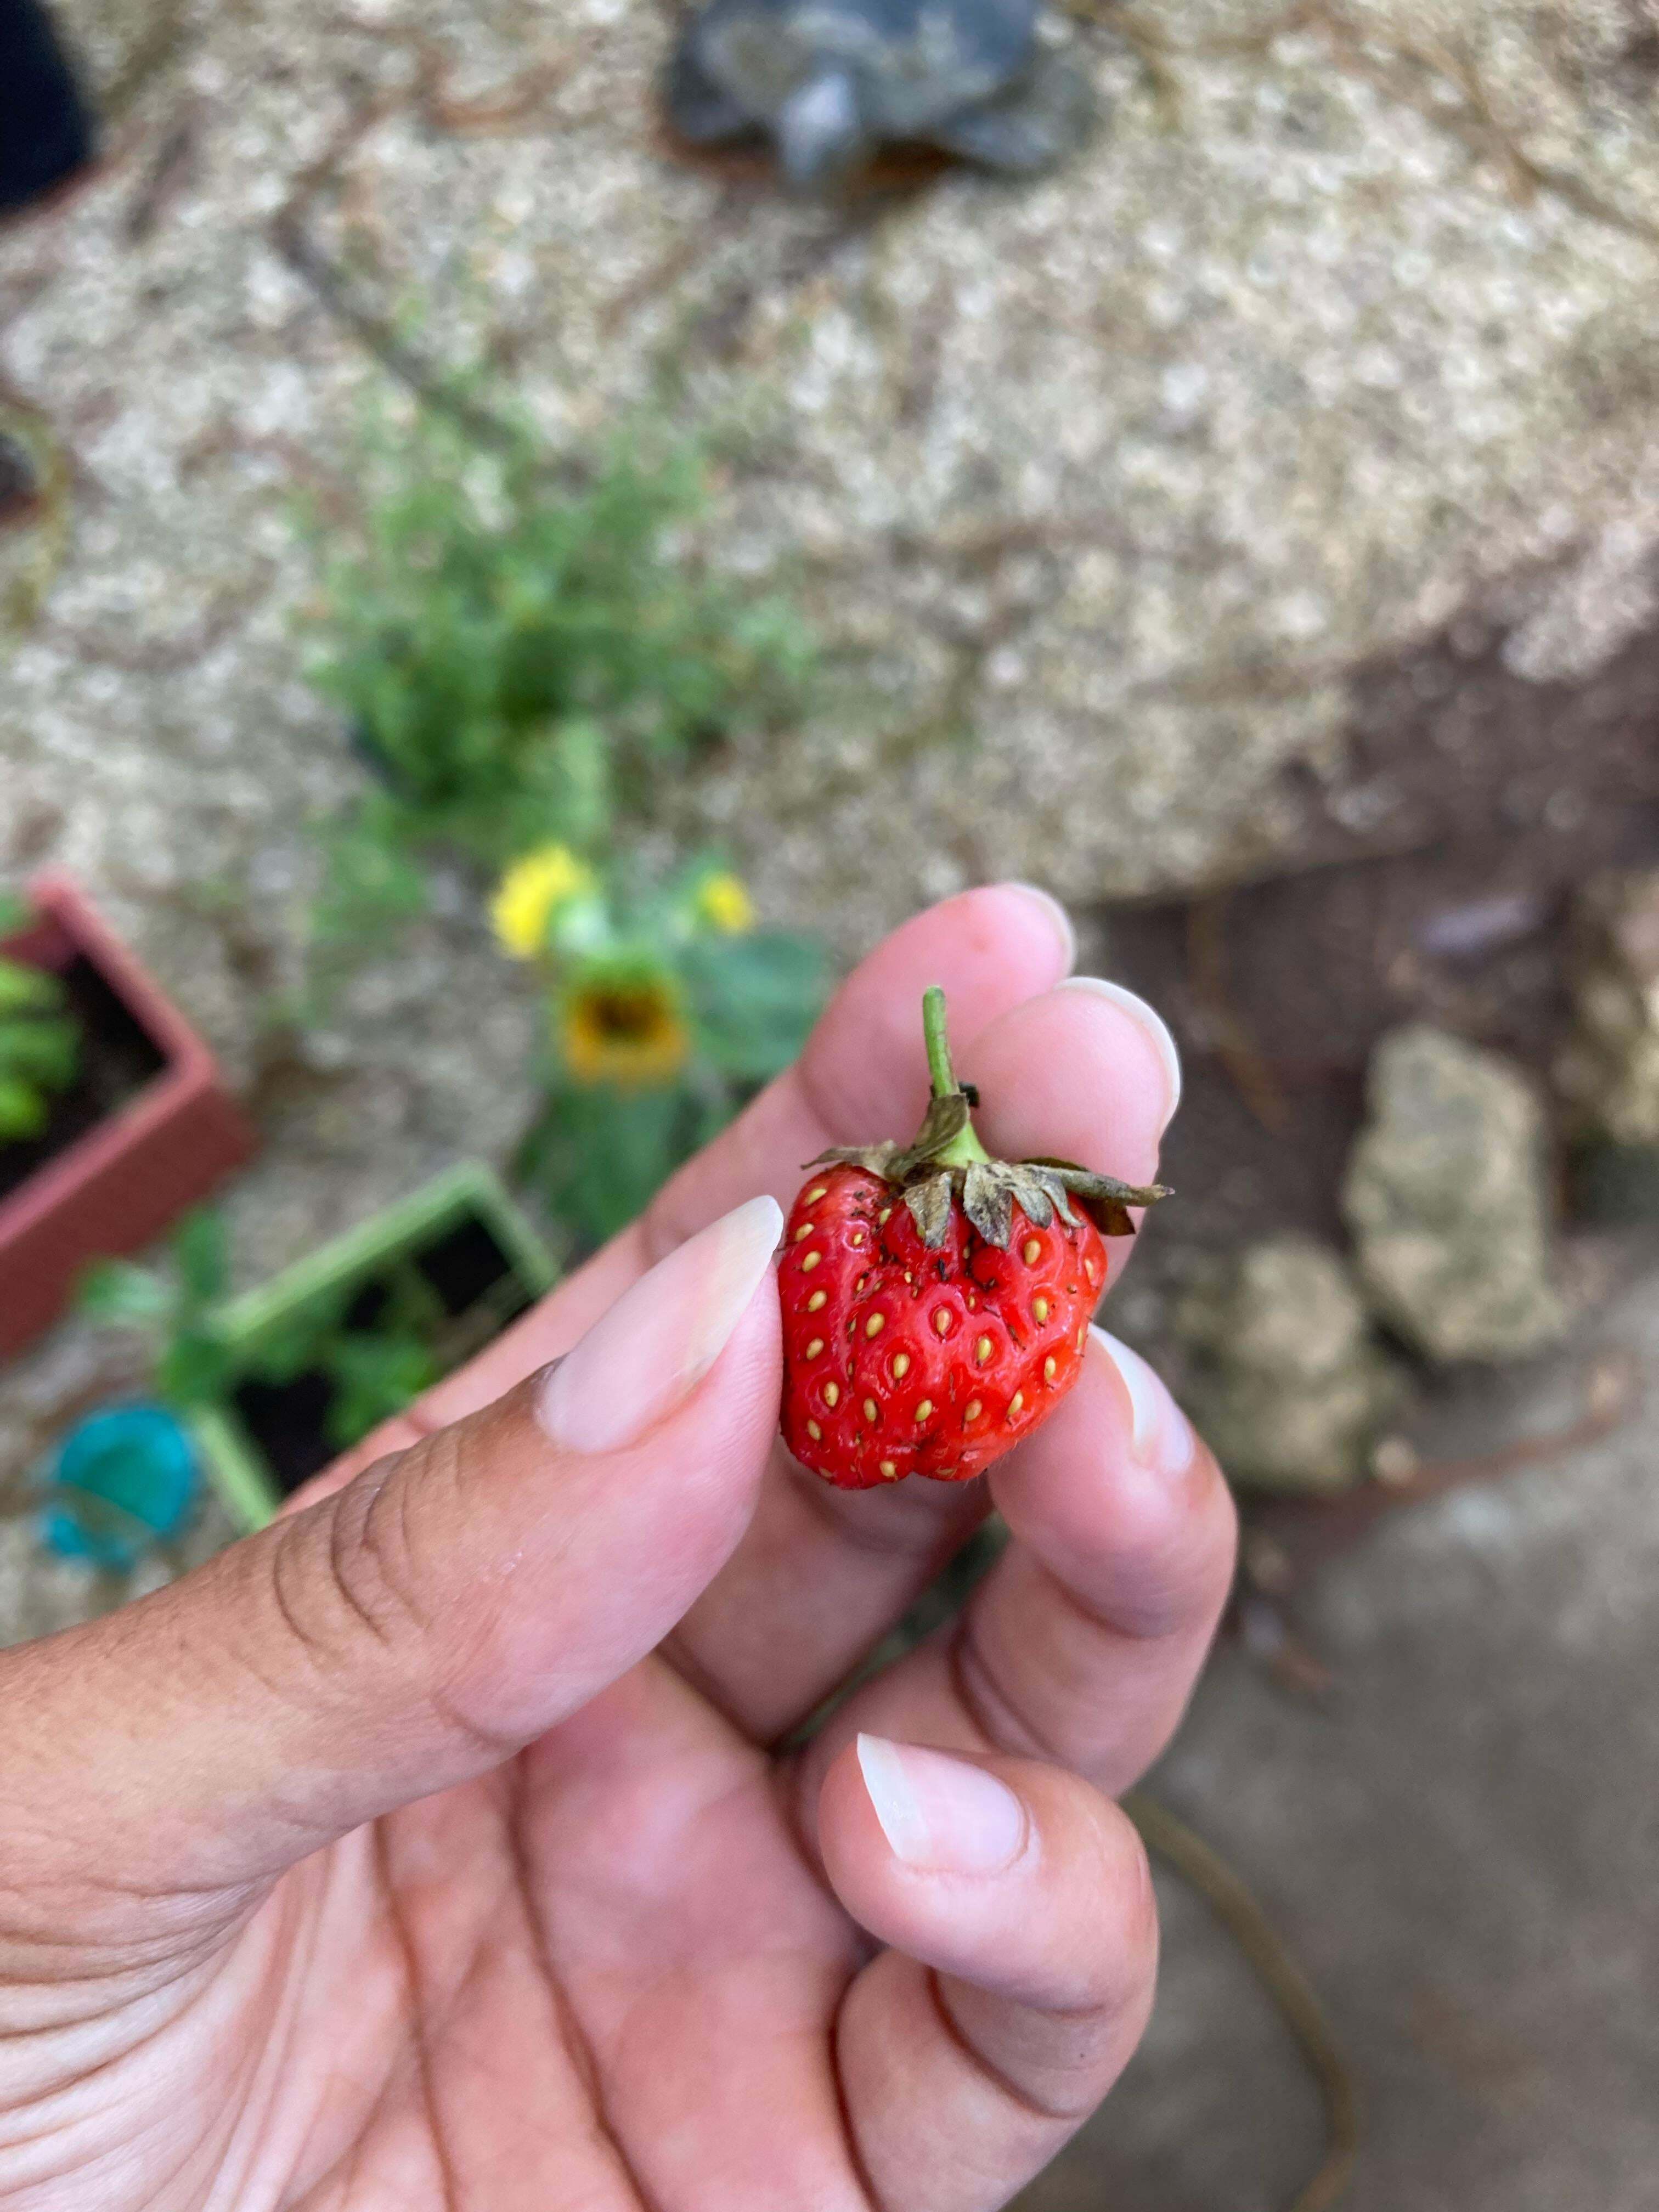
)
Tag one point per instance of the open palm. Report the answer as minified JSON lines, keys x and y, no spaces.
{"x":435,"y":1848}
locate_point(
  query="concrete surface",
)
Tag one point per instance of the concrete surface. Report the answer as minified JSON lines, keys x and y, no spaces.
{"x":1458,"y":1845}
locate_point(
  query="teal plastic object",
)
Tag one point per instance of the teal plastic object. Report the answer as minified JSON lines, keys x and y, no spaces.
{"x":123,"y":1480}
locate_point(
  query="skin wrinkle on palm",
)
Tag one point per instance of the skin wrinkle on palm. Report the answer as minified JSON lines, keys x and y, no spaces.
{"x":641,"y":1829}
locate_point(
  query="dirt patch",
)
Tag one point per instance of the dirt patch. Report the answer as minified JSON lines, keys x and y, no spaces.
{"x":1433,"y":875}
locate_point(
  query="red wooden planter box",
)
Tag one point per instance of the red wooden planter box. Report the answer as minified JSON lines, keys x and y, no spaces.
{"x":122,"y":1180}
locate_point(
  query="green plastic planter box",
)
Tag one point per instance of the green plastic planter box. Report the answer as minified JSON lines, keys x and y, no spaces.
{"x":459,"y":1218}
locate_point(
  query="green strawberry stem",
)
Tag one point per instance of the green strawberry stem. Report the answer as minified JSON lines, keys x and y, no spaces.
{"x":965,"y":1148}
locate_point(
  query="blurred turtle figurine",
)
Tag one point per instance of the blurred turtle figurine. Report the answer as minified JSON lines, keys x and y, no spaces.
{"x":831,"y":81}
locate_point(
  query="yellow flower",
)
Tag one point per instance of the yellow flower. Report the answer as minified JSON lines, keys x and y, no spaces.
{"x":530,"y":892}
{"x":723,"y":903}
{"x":628,"y":1031}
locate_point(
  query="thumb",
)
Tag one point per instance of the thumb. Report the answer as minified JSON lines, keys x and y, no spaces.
{"x":418,"y":1627}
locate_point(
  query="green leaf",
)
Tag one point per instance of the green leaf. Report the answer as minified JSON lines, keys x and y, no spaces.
{"x":44,"y":1052}
{"x":374,"y":1377}
{"x":40,"y":1048}
{"x":756,"y":998}
{"x":195,"y":1368}
{"x":201,"y":1254}
{"x":599,"y":1155}
{"x":300,"y":1342}
{"x":372,"y":881}
{"x":190,"y":1363}
{"x":23,"y":1111}
{"x":120,"y":1294}
{"x":27,"y":989}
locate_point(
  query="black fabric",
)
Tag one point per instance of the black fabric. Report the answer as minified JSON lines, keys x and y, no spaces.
{"x":46,"y":132}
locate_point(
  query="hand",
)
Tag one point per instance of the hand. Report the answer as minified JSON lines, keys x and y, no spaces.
{"x":432,"y":1848}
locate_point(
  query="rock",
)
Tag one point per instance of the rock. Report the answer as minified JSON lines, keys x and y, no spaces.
{"x":1283,"y":1374}
{"x":831,"y":81}
{"x":1609,"y":1072}
{"x":1447,"y":1200}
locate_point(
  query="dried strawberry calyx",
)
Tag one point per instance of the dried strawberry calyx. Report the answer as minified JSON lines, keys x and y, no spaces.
{"x":944,"y":1164}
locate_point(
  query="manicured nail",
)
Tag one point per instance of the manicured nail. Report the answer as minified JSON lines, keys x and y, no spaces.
{"x":661,"y":1337}
{"x":1163,"y":1439}
{"x":940,"y":1812}
{"x":1148,"y":1020}
{"x":1057,"y":916}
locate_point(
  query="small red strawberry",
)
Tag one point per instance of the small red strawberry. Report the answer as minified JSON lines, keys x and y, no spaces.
{"x":936,"y":1302}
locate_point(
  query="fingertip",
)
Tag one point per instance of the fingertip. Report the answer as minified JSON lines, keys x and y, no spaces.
{"x":1015,"y":932}
{"x":940,"y":1813}
{"x":915,"y":1840}
{"x":642,"y":1359}
{"x":1160,"y":1437}
{"x":1122,"y":1500}
{"x":1014,"y":1874}
{"x":1071,"y":1074}
{"x":1053,"y":914}
{"x":1149,"y":1025}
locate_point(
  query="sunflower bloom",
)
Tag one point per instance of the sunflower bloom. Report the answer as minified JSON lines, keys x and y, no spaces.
{"x":531,"y":892}
{"x":625,"y":1030}
{"x":723,"y":902}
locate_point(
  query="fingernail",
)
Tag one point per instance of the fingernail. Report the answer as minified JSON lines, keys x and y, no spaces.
{"x":1057,"y":917}
{"x":1163,"y":1439}
{"x":1149,"y":1021}
{"x":662,"y":1336}
{"x":940,"y":1812}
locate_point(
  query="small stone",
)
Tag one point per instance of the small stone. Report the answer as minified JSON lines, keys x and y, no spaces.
{"x":1394,"y":1461}
{"x":1266,"y":1564}
{"x":1608,"y":1073}
{"x":1447,"y":1200}
{"x":1284,"y":1376}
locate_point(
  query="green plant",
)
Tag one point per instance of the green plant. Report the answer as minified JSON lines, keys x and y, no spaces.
{"x":376,"y":1363}
{"x":666,"y":1008}
{"x":39,"y":1042}
{"x":521,"y":653}
{"x":380,"y":1344}
{"x":171,"y":1311}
